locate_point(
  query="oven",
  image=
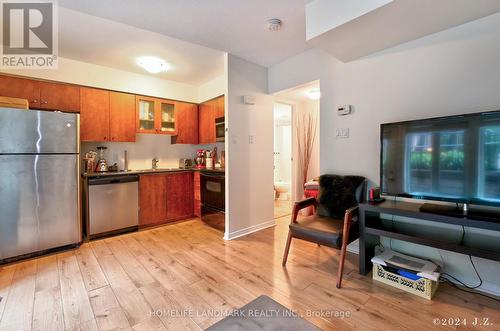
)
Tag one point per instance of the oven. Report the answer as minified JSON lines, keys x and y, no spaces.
{"x":213,"y":198}
{"x":220,"y":130}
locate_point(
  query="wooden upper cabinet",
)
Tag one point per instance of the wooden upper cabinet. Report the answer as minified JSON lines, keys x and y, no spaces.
{"x":208,"y":112}
{"x":219,"y":107}
{"x":152,"y":199}
{"x":94,"y":114}
{"x":58,"y":96}
{"x":187,"y":123}
{"x":14,"y":87}
{"x":156,"y":116}
{"x":146,"y":114}
{"x":121,"y":117}
{"x":180,"y":196}
{"x":206,"y":123}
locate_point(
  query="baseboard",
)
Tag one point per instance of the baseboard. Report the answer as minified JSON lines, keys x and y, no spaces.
{"x":246,"y":231}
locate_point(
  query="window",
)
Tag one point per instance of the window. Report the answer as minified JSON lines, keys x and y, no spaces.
{"x":489,"y":163}
{"x":419,"y":163}
{"x":451,"y":163}
{"x":435,"y":163}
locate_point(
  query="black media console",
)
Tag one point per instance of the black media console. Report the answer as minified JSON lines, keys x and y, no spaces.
{"x":371,"y":228}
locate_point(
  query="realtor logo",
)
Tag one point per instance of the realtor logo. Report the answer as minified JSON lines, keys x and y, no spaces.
{"x":29,"y":35}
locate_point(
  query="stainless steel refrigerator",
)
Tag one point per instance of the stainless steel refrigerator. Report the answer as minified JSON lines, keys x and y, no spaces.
{"x":39,"y":181}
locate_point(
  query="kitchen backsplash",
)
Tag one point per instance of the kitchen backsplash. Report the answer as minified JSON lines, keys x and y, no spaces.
{"x":146,"y":147}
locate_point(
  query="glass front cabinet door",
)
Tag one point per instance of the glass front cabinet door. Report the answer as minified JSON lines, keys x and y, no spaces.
{"x":156,"y":116}
{"x":168,"y":125}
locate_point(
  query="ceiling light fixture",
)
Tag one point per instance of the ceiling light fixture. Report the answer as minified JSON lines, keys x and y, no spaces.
{"x":274,"y":24}
{"x":153,"y":64}
{"x":314,"y":94}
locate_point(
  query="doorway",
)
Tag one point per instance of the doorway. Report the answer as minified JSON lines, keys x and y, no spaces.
{"x":283,"y":147}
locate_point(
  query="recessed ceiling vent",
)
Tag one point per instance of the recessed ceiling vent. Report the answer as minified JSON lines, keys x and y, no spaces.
{"x":274,"y":24}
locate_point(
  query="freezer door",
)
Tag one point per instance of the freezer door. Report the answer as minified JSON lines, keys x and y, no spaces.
{"x":38,"y":202}
{"x":33,"y":131}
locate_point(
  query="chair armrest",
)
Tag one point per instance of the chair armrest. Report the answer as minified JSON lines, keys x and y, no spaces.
{"x":299,"y":205}
{"x":351,"y":211}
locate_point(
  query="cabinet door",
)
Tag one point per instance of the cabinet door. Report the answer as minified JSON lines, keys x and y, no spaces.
{"x":152,"y":199}
{"x":14,"y":87}
{"x":167,"y":120}
{"x":197,"y":194}
{"x":179,"y":195}
{"x":57,"y":96}
{"x":94,"y":114}
{"x":121,"y":117}
{"x":206,"y":123}
{"x":187,"y":123}
{"x":146,"y":114}
{"x":219,"y":106}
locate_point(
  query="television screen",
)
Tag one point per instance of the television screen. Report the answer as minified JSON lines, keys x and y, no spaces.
{"x":454,"y":158}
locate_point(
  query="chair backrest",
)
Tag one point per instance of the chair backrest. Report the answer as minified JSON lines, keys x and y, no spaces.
{"x":338,"y":193}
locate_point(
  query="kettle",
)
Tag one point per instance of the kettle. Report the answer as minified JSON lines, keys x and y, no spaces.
{"x":102,"y":164}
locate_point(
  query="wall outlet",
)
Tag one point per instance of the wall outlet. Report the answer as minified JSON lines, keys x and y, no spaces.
{"x":342,"y":133}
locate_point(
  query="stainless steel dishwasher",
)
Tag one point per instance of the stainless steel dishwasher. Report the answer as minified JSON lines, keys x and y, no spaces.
{"x":113,"y":205}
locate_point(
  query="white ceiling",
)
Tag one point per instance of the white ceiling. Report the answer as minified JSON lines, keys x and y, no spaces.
{"x":395,"y":23}
{"x":104,"y":42}
{"x":299,"y":93}
{"x":235,"y":26}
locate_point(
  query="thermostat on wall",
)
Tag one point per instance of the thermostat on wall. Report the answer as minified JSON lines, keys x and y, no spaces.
{"x":343,"y":110}
{"x":248,"y":100}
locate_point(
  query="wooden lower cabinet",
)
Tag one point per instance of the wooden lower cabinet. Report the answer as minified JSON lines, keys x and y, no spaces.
{"x":165,"y":198}
{"x":179,"y":195}
{"x":197,"y":194}
{"x":152,"y":199}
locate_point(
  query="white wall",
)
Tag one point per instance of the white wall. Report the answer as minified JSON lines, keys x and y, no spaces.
{"x":452,"y":72}
{"x":249,"y":168}
{"x":82,"y":73}
{"x":212,"y":89}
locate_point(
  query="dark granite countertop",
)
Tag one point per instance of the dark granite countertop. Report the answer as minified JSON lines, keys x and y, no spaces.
{"x":149,"y":171}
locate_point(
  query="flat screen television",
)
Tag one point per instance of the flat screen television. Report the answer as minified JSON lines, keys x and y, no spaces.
{"x":454,"y":158}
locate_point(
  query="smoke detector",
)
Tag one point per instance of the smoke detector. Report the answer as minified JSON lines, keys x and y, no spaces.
{"x":274,"y":24}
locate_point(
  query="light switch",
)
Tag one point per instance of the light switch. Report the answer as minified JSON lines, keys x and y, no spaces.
{"x":342,"y":133}
{"x":250,"y":139}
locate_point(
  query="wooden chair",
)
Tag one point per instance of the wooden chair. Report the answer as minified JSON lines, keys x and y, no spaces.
{"x":324,"y":230}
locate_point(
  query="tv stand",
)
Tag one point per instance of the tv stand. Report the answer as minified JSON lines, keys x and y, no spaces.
{"x":371,"y":228}
{"x":464,"y":212}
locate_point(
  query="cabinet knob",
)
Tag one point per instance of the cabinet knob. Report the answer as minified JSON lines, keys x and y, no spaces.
{"x":34,"y":101}
{"x":43,"y":102}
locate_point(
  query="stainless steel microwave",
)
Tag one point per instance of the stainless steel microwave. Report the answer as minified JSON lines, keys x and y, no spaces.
{"x":220,"y":130}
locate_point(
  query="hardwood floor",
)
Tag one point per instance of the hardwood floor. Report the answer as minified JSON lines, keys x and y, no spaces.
{"x":181,"y":276}
{"x":282,"y":208}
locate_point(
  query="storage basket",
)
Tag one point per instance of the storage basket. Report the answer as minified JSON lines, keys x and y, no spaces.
{"x":422,"y":287}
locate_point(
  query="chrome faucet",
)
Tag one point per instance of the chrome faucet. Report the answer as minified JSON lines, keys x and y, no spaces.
{"x":154,"y":163}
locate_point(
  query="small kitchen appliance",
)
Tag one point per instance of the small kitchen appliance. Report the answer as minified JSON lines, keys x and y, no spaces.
{"x":102,"y":164}
{"x":185,"y":163}
{"x":209,"y":160}
{"x":200,"y":159}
